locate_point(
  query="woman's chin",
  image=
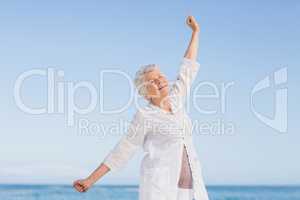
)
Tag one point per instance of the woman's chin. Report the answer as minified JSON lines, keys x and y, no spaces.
{"x":164,"y":91}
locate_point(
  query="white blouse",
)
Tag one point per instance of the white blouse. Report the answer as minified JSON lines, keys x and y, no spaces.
{"x":162,"y":135}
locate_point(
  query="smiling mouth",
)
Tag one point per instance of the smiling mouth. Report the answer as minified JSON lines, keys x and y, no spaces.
{"x":162,"y":87}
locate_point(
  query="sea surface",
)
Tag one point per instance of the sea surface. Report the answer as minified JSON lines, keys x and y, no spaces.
{"x":100,"y":192}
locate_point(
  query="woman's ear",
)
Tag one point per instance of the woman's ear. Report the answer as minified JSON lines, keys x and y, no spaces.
{"x":147,"y":97}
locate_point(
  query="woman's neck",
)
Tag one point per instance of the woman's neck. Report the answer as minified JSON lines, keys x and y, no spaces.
{"x":163,"y":104}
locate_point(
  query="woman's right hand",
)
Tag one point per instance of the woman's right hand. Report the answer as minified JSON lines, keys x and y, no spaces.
{"x":82,"y":185}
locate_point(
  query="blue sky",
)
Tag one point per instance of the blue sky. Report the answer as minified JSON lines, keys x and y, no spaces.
{"x":241,"y":42}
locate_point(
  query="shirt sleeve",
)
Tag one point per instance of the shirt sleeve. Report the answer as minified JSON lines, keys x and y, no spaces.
{"x":187,"y":73}
{"x":129,"y":143}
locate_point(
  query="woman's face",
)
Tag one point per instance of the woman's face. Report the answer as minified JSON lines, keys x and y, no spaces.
{"x":156,"y":84}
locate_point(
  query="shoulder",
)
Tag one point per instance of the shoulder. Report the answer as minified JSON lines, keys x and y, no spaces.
{"x":141,"y":112}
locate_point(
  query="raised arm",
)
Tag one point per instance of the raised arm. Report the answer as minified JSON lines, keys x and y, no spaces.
{"x":192,"y":50}
{"x":189,"y":65}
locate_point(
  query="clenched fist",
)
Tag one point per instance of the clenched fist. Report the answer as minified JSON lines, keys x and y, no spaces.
{"x":82,"y":185}
{"x":192,"y":23}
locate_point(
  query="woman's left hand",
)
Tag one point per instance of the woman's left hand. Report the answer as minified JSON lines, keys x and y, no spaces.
{"x":192,"y":23}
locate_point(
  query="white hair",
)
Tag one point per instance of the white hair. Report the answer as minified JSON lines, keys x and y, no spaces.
{"x":140,"y":77}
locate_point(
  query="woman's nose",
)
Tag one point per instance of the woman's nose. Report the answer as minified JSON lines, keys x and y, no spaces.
{"x":162,"y":81}
{"x":158,"y":82}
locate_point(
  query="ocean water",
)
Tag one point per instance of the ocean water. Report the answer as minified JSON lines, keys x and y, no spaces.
{"x":61,"y":192}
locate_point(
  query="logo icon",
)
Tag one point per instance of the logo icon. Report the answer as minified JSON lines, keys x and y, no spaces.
{"x":279,"y":120}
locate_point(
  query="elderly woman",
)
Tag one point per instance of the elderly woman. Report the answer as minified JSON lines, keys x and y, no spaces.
{"x":170,"y":169}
